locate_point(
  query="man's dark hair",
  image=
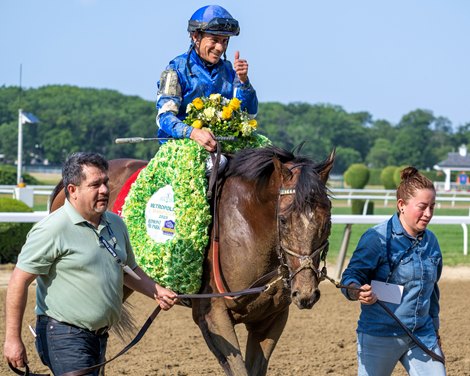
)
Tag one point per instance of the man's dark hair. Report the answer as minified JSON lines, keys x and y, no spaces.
{"x":72,"y":170}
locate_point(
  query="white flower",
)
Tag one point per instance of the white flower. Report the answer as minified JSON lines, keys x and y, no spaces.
{"x":215,"y":98}
{"x":246,"y":129}
{"x":209,"y":113}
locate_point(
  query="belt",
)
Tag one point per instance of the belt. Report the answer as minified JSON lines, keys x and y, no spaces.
{"x":97,"y":332}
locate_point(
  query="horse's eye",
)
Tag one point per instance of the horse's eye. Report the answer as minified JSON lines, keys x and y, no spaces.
{"x":282,"y":220}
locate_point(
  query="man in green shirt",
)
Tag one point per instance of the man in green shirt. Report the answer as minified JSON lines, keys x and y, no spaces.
{"x":81,"y":257}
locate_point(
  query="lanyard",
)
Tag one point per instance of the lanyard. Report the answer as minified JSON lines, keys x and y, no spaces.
{"x":112,"y":248}
{"x":393,"y":265}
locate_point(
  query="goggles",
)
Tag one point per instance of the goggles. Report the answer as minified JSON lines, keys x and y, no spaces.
{"x":217,"y":26}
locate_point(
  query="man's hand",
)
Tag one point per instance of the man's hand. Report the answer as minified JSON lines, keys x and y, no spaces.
{"x":165,"y":297}
{"x":241,"y":68}
{"x":204,"y":138}
{"x":14,"y":352}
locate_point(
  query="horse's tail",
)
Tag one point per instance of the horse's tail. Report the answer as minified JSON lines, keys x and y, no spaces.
{"x":126,"y":327}
{"x":57,"y":189}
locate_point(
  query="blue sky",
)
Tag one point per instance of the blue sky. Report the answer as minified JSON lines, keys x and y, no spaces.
{"x":384,"y":57}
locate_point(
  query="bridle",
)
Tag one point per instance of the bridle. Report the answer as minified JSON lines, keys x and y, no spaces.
{"x":306,"y":261}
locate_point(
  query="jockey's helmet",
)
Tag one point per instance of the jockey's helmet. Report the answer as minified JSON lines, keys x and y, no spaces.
{"x":213,"y":19}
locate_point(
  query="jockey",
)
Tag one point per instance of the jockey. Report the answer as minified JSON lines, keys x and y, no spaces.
{"x":201,"y":71}
{"x":172,"y":237}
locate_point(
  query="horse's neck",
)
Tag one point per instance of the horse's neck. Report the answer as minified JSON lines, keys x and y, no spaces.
{"x":247,"y":230}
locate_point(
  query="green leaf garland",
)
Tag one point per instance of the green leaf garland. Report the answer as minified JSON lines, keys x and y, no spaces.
{"x":177,"y":263}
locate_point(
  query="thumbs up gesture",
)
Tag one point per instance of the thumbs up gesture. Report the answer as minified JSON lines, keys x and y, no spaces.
{"x":241,"y":67}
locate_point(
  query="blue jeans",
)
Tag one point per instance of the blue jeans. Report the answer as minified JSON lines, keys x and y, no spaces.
{"x":378,"y":356}
{"x":65,"y":348}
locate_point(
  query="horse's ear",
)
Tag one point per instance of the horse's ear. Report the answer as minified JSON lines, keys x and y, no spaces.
{"x":327,"y":165}
{"x":281,"y":169}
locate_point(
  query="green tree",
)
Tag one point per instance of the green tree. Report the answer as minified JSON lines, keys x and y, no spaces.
{"x":344,"y":158}
{"x":387,"y":177}
{"x":380,"y":154}
{"x":357,"y":175}
{"x":412,"y":144}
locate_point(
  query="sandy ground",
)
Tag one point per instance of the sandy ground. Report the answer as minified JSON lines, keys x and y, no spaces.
{"x":320,"y":341}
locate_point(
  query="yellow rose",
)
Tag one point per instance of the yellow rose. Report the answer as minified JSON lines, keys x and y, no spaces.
{"x":226,"y":113}
{"x":234,"y":104}
{"x":197,"y":124}
{"x":198,"y":103}
{"x":253,"y":123}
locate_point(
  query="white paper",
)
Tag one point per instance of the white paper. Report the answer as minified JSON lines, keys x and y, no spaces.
{"x":129,"y":271}
{"x":387,"y":292}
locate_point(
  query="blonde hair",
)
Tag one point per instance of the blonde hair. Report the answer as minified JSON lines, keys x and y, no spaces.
{"x":412,"y":181}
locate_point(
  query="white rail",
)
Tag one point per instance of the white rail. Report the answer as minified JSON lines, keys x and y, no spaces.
{"x":351,"y":196}
{"x":349,"y":220}
{"x":345,"y":219}
{"x":348,"y":194}
{"x":23,"y":217}
{"x":335,"y":219}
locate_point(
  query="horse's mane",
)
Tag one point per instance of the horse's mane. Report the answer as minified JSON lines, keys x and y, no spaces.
{"x":257,"y":164}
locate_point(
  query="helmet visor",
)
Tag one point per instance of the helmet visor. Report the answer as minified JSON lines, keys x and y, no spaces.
{"x":217,"y":26}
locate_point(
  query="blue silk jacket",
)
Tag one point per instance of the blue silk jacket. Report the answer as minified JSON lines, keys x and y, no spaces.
{"x":178,"y":87}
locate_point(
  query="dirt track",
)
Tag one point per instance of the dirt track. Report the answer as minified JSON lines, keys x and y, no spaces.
{"x":316,"y":342}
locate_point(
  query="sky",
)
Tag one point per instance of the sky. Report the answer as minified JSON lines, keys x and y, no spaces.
{"x":384,"y":57}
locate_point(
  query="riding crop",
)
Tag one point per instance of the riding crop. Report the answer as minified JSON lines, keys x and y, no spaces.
{"x":136,"y":140}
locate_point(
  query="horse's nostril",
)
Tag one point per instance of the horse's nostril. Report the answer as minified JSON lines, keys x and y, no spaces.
{"x":295,"y":293}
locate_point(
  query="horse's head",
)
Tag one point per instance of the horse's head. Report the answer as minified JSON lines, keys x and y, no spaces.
{"x":304,"y":223}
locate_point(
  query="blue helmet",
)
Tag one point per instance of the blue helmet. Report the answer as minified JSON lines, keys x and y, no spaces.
{"x":213,"y":19}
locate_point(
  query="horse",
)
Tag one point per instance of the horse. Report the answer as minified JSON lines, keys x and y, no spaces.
{"x":272,"y":220}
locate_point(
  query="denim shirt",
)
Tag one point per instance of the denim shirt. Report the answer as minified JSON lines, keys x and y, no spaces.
{"x":416,"y":265}
{"x":204,"y":81}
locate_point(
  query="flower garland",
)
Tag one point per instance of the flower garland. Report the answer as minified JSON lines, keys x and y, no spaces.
{"x":224,"y":117}
{"x":177,"y":262}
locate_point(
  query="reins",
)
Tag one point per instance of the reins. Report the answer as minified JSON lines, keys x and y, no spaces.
{"x":26,"y":372}
{"x":85,"y":371}
{"x":410,"y":334}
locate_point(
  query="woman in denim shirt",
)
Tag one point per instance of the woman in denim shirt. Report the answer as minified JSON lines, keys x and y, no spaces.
{"x":403,"y":253}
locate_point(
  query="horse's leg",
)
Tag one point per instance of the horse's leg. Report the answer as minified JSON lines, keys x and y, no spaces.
{"x":262,"y":339}
{"x":219,"y":333}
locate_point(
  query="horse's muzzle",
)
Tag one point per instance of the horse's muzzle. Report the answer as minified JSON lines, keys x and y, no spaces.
{"x":305,"y":301}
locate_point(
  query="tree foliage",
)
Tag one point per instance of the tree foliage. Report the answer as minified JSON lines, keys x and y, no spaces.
{"x":73,"y":118}
{"x":357,"y":175}
{"x":387,"y":177}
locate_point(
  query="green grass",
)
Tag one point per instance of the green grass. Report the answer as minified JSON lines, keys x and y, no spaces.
{"x":450,"y":236}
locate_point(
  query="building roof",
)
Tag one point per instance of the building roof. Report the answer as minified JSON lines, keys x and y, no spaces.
{"x":455,"y":161}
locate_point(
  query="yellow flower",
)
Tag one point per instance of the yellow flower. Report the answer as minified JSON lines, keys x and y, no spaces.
{"x":215,"y":98}
{"x":198,"y":103}
{"x":197,"y":124}
{"x":226,"y":113}
{"x":234,"y":104}
{"x":253,"y":123}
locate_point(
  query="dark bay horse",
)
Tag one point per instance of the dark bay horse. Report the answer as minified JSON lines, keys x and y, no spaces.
{"x":273,"y":219}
